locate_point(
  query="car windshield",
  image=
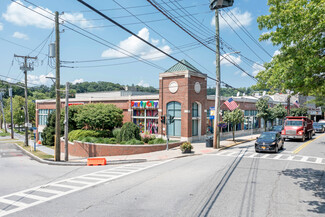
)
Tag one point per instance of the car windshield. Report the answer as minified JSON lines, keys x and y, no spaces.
{"x":267,"y":136}
{"x":277,"y":128}
{"x":316,"y":125}
{"x":293,"y":123}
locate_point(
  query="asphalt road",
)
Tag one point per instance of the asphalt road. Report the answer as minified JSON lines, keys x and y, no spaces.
{"x":232,"y":182}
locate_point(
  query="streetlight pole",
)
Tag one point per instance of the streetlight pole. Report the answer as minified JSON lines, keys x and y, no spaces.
{"x":215,"y":5}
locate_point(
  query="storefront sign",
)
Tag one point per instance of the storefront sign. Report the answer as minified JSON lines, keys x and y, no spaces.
{"x":212,"y":112}
{"x":315,"y":111}
{"x":76,"y":103}
{"x":144,"y":104}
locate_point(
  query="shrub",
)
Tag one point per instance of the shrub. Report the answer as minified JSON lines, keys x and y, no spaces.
{"x":88,"y":139}
{"x":145,"y":138}
{"x":134,"y":142}
{"x":130,"y":131}
{"x":76,"y":134}
{"x":186,"y":146}
{"x":117,"y":134}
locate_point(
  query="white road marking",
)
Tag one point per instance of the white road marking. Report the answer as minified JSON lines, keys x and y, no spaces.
{"x":278,"y":156}
{"x":318,"y":160}
{"x":282,"y":156}
{"x":15,"y":206}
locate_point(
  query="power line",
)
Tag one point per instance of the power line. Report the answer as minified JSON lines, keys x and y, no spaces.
{"x":125,"y":52}
{"x":241,"y":38}
{"x":190,"y":34}
{"x":240,"y":25}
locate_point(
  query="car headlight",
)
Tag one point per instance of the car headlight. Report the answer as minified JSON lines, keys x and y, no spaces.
{"x":273,"y":143}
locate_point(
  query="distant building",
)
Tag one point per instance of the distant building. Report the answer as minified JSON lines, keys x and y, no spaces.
{"x":182,"y":94}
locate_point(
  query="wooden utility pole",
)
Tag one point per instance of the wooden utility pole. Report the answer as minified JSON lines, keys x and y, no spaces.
{"x":26,"y":68}
{"x":57,"y":87}
{"x":216,"y":131}
{"x":66,"y":122}
{"x":11,"y":114}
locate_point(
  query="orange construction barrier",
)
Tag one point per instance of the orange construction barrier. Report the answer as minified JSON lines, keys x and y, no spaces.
{"x":96,"y":161}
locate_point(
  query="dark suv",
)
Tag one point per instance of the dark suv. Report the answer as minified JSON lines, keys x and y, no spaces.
{"x":269,"y":142}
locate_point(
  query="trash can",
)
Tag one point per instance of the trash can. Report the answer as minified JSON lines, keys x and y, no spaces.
{"x":209,"y":141}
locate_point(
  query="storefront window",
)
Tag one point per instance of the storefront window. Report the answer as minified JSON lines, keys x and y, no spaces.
{"x":174,"y":109}
{"x":43,"y":115}
{"x":195,"y":120}
{"x":145,"y":115}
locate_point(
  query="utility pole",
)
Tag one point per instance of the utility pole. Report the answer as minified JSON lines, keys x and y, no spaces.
{"x":288,"y":104}
{"x":12,"y":121}
{"x":57,"y":85}
{"x":215,"y":5}
{"x":26,"y":68}
{"x":66,"y":122}
{"x":3,"y":111}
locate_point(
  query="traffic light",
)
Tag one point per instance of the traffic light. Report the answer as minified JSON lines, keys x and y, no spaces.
{"x":163,"y":119}
{"x":171,"y":119}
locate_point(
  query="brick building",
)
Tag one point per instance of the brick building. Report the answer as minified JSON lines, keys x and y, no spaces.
{"x":182,"y":94}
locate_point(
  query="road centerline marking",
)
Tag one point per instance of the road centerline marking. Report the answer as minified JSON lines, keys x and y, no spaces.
{"x":305,"y":144}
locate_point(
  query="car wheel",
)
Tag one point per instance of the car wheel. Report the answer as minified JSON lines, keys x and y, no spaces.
{"x":257,"y":151}
{"x":303,"y":138}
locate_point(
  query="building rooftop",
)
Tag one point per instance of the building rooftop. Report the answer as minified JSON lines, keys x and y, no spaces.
{"x":178,"y":67}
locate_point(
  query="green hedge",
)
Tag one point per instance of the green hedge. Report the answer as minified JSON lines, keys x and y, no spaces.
{"x":76,"y":134}
{"x":130,"y":131}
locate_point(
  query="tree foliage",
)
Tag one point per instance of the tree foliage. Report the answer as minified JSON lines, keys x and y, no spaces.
{"x":129,"y":131}
{"x":49,"y":131}
{"x":264,"y":111}
{"x":278,"y":111}
{"x":301,"y":111}
{"x":99,"y":116}
{"x":234,"y":117}
{"x":297,"y":26}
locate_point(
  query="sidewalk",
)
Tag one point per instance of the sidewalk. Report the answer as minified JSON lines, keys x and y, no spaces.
{"x":199,"y":148}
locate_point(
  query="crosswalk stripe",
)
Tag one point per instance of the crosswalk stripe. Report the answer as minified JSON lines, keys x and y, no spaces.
{"x":265,"y":155}
{"x":48,"y":190}
{"x":304,"y":158}
{"x":318,"y":160}
{"x":278,"y":156}
{"x":12,"y":202}
{"x":64,"y":186}
{"x":76,"y":181}
{"x":31,"y":196}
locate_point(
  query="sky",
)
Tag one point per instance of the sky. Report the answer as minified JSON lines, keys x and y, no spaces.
{"x":94,"y":49}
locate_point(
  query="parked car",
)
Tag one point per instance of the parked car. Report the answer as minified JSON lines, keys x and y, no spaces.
{"x":319,"y":128}
{"x":321,"y":122}
{"x":277,"y":128}
{"x":269,"y":142}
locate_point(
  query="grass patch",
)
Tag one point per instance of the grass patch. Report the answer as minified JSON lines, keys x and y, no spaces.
{"x":4,"y":134}
{"x":37,"y":153}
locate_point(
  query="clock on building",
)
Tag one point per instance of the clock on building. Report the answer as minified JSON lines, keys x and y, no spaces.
{"x":197,"y":87}
{"x":173,"y":87}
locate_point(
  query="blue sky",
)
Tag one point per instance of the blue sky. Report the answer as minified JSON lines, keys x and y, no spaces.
{"x":23,"y":31}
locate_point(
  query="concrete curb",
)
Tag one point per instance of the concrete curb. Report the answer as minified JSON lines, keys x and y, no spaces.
{"x":237,"y":143}
{"x":69,"y":163}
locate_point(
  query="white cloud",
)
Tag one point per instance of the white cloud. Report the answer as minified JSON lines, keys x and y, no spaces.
{"x":257,"y":68}
{"x":78,"y":19}
{"x":137,"y":47}
{"x":78,"y":81}
{"x":22,"y":16}
{"x":224,"y":60}
{"x":141,"y":83}
{"x":244,"y":18}
{"x":243,"y":74}
{"x":1,"y":26}
{"x":277,"y":52}
{"x":39,"y":80}
{"x":20,"y":35}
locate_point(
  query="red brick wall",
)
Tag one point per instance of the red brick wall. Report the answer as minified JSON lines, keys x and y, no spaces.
{"x":80,"y":149}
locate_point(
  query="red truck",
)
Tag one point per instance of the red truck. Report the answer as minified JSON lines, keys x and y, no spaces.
{"x":297,"y":128}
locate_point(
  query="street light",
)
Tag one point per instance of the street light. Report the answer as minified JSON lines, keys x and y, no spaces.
{"x":215,"y":5}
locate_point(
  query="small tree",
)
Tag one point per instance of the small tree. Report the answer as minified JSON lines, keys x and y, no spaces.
{"x":129,"y":131}
{"x":99,"y":117}
{"x":263,"y":110}
{"x":49,"y":130}
{"x":235,"y":117}
{"x":278,"y":111}
{"x":302,"y":111}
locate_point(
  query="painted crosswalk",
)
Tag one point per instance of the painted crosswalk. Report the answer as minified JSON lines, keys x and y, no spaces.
{"x":272,"y":156}
{"x":18,"y":201}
